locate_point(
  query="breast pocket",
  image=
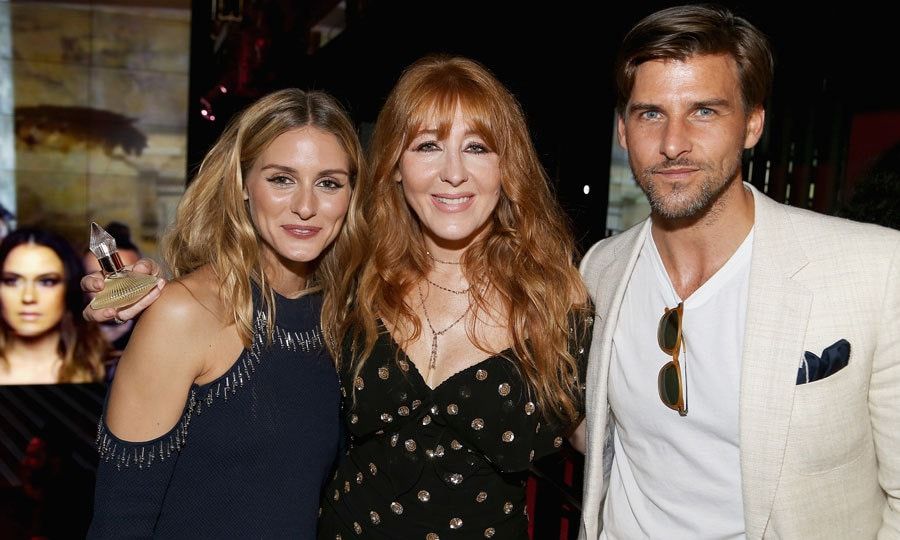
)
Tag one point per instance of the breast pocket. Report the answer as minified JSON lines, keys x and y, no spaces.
{"x":829,"y":422}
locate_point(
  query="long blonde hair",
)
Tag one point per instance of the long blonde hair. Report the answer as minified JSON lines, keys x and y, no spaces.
{"x":213,"y":225}
{"x":526,"y":257}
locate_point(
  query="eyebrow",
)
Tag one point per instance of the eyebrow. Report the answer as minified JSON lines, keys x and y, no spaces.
{"x":435,"y":132}
{"x":719,"y":102}
{"x":642,"y":107}
{"x":8,"y":274}
{"x":285,"y":168}
{"x":716,"y":102}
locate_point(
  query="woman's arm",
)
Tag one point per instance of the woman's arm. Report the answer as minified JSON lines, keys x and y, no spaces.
{"x":163,"y":358}
{"x":578,"y":437}
{"x":142,"y":426}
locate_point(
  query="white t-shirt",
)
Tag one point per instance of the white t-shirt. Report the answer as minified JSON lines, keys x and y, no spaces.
{"x":673,"y":476}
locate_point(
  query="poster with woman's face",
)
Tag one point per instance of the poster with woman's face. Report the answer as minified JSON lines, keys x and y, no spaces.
{"x":93,"y":127}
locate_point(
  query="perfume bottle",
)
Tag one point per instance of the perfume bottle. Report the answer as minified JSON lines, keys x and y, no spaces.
{"x":121,"y":287}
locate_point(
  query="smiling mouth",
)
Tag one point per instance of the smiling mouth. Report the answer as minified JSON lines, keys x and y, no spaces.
{"x":674,"y":167}
{"x":452,"y":200}
{"x":679,"y":170}
{"x":676,"y":171}
{"x":301,"y":231}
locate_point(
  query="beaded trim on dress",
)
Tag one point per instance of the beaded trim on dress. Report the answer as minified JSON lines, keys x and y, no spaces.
{"x":144,"y":455}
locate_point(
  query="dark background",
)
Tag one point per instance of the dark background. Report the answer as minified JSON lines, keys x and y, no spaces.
{"x":834,"y":110}
{"x":834,"y":107}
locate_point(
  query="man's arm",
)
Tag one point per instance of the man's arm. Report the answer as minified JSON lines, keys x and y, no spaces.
{"x":884,"y":400}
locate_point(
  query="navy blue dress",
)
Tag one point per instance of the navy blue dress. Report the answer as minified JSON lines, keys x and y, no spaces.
{"x":251,"y":451}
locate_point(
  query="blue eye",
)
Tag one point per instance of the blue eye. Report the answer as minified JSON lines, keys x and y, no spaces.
{"x":705,"y":111}
{"x":651,"y":115}
{"x":49,"y":281}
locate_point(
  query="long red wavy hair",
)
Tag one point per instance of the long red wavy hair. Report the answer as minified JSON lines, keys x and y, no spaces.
{"x":525,"y":259}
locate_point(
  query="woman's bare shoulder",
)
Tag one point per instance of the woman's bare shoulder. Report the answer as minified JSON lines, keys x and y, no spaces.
{"x":166,"y":354}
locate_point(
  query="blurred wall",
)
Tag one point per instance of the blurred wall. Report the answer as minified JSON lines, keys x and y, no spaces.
{"x":98,"y":96}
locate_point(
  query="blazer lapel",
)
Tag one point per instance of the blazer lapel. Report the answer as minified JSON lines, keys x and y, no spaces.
{"x":778,"y":310}
{"x":607,"y":282}
{"x":606,"y":278}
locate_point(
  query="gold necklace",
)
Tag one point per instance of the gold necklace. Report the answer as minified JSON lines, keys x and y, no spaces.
{"x":454,"y":291}
{"x":435,"y":259}
{"x":432,"y":362}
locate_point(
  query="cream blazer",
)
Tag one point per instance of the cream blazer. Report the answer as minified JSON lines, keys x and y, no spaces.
{"x":819,"y":460}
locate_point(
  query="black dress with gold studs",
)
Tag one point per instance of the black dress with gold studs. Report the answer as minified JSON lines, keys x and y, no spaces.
{"x":436,"y":464}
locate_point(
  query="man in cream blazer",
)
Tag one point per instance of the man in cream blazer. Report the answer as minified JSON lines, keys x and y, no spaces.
{"x":790,"y":351}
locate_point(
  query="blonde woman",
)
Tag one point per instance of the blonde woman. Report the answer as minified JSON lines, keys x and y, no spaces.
{"x":222,"y":420}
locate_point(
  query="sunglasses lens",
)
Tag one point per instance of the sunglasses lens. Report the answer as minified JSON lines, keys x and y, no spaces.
{"x":667,"y":334}
{"x":668,"y":385}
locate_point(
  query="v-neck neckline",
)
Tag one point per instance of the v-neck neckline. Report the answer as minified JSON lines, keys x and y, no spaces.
{"x":394,"y":343}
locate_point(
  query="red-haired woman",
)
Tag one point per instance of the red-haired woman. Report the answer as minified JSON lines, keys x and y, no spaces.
{"x":462,"y":355}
